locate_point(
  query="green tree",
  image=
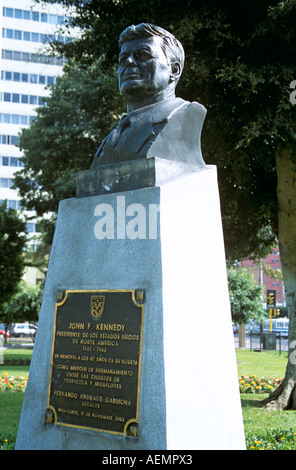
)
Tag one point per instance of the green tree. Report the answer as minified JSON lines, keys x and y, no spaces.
{"x":245,"y":296}
{"x":240,"y":64}
{"x":12,"y":243}
{"x":23,"y":306}
{"x":229,"y":69}
{"x":64,"y":136}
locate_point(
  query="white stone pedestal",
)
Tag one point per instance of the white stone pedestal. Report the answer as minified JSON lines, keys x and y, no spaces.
{"x":168,"y":241}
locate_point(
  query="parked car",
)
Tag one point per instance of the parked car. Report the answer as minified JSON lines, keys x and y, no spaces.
{"x":235,"y":328}
{"x":23,"y":329}
{"x":4,"y":333}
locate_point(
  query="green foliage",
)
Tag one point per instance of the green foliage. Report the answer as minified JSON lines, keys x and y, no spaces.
{"x":276,"y":439}
{"x":239,"y":65}
{"x":24,"y":305}
{"x":245,"y":296}
{"x":12,"y":243}
{"x":65,"y":134}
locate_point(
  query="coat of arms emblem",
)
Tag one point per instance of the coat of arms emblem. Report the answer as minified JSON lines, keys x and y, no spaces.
{"x":97,"y":306}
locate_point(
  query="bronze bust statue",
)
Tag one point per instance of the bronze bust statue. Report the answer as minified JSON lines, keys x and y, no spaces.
{"x":157,"y":123}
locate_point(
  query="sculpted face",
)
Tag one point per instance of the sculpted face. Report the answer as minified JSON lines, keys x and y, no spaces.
{"x":144,"y":70}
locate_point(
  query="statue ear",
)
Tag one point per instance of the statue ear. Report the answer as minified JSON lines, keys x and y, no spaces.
{"x":175,"y":71}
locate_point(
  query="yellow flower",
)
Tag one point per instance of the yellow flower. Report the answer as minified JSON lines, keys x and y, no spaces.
{"x":5,"y":374}
{"x":257,"y":442}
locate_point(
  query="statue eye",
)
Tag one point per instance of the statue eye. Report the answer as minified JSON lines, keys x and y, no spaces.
{"x":142,"y":55}
{"x":122,"y":59}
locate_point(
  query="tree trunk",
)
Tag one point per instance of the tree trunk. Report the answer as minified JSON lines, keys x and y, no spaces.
{"x":242,"y":336}
{"x":284,"y":397}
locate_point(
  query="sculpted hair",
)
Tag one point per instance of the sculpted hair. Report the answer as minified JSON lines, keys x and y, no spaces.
{"x":172,"y":48}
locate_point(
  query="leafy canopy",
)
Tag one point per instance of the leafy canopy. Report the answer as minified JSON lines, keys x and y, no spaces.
{"x":24,"y":305}
{"x":65,"y":134}
{"x":240,"y":61}
{"x":245,"y":296}
{"x":12,"y":243}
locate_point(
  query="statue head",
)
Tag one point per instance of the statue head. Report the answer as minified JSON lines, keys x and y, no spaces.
{"x":151,"y":61}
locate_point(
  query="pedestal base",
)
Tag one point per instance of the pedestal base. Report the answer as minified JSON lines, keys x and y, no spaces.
{"x":168,"y":242}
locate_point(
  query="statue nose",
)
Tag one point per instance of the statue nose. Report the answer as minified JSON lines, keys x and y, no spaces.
{"x":130,"y":60}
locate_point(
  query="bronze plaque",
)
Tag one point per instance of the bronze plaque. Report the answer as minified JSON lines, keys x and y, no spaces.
{"x":96,"y":360}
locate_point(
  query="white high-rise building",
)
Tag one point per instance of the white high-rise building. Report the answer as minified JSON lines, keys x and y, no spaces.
{"x":25,"y":72}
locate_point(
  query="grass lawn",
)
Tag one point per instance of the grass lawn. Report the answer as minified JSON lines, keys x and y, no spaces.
{"x":262,"y":364}
{"x":10,"y":401}
{"x":264,"y":429}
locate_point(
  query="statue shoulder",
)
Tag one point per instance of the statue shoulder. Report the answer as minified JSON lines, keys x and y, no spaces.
{"x":179,"y":139}
{"x":192,"y":108}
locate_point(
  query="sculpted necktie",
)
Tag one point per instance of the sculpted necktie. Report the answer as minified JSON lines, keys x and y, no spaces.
{"x":120,"y":130}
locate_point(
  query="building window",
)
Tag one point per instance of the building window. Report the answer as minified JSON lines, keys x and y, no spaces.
{"x":17,"y":35}
{"x":15,"y":119}
{"x":33,"y":100}
{"x":32,"y":228}
{"x":27,"y":36}
{"x":9,"y":140}
{"x":6,"y":182}
{"x":33,"y":37}
{"x":32,"y":57}
{"x":15,"y":98}
{"x":10,"y":161}
{"x":18,"y":14}
{"x":9,"y":33}
{"x":16,"y":76}
{"x":8,"y":12}
{"x":26,"y":77}
{"x":7,"y":55}
{"x":12,"y":204}
{"x":25,"y":99}
{"x":33,"y":16}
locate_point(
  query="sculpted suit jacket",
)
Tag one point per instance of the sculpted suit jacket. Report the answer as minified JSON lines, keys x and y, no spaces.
{"x":169,"y":129}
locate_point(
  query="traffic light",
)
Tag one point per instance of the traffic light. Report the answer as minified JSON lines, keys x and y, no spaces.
{"x":275,"y":312}
{"x":271,"y":298}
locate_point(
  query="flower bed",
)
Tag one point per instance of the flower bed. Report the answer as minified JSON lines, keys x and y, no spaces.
{"x":14,"y":384}
{"x":256,"y":384}
{"x":272,"y":440}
